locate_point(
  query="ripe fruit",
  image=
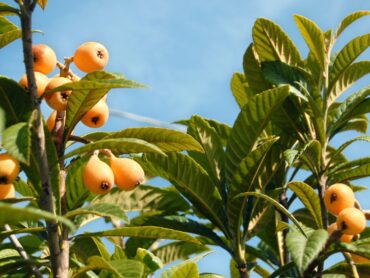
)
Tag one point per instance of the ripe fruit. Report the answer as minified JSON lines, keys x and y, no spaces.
{"x":359,"y":259}
{"x":351,"y":221}
{"x":345,"y":238}
{"x":7,"y":191}
{"x":57,"y":100}
{"x":91,"y":56}
{"x":127,"y":172}
{"x":97,"y":115}
{"x":338,"y":197}
{"x":44,"y":58}
{"x":97,"y":176}
{"x":41,"y":82}
{"x":9,"y":168}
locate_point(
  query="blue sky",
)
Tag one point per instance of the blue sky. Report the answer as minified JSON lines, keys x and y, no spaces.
{"x":185,"y":51}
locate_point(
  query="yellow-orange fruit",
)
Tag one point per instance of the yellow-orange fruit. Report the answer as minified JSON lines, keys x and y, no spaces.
{"x":351,"y":221}
{"x":359,"y":259}
{"x":44,"y":58}
{"x":41,"y":81}
{"x":97,"y":116}
{"x":57,"y":100}
{"x":9,"y":168}
{"x":97,"y":176}
{"x":127,"y":172}
{"x":7,"y":191}
{"x":91,"y":56}
{"x":345,"y":238}
{"x":338,"y":197}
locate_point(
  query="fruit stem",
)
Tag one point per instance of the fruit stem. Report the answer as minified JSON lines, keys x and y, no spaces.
{"x":64,"y":68}
{"x":358,"y":205}
{"x":79,"y":139}
{"x":107,"y":152}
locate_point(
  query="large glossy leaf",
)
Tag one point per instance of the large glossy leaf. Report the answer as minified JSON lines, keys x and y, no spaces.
{"x":240,"y":89}
{"x":309,"y":198}
{"x":345,"y":269}
{"x":245,"y":179}
{"x":309,"y":155}
{"x":305,"y":250}
{"x":120,"y":268}
{"x":150,"y":261}
{"x":273,"y":44}
{"x":349,"y":76}
{"x":187,"y":269}
{"x":88,"y":91}
{"x":9,"y":32}
{"x":174,"y":251}
{"x":87,"y":247}
{"x":313,"y":37}
{"x":348,"y":54}
{"x":191,"y":180}
{"x":17,"y":141}
{"x":249,"y":125}
{"x":145,"y":232}
{"x":18,"y":108}
{"x":359,"y":172}
{"x":349,"y":19}
{"x":6,"y":10}
{"x":13,"y":215}
{"x":276,"y":204}
{"x":359,"y":247}
{"x":342,"y":147}
{"x":117,"y":146}
{"x":211,"y":275}
{"x":167,"y":140}
{"x":252,"y":71}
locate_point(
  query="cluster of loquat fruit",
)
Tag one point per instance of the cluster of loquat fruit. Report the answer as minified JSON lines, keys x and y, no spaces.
{"x":98,"y":177}
{"x":351,"y":221}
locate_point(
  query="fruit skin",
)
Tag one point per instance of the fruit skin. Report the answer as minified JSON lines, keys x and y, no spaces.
{"x":9,"y":168}
{"x":98,"y":176}
{"x":127,"y":173}
{"x":345,"y":238}
{"x":44,"y":58}
{"x":91,"y":56}
{"x":97,"y":116}
{"x":351,"y":221}
{"x":57,"y":100}
{"x":7,"y":191}
{"x":359,"y":259}
{"x":41,"y":81}
{"x":338,"y":197}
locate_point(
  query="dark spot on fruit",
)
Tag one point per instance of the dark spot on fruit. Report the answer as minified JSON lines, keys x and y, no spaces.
{"x":4,"y":180}
{"x":95,"y":120}
{"x":100,"y":54}
{"x":104,"y":185}
{"x":64,"y":95}
{"x":333,"y":197}
{"x":343,"y":226}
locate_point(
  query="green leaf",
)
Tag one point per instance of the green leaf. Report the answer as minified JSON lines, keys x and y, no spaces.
{"x":249,"y":125}
{"x":347,"y":55}
{"x":342,"y":147}
{"x":89,"y":246}
{"x":276,"y":204}
{"x":145,"y":232}
{"x":151,"y":262}
{"x":348,"y":20}
{"x":240,"y":89}
{"x":191,"y":180}
{"x":120,"y":268}
{"x":211,"y":275}
{"x":14,"y":215}
{"x":252,"y":71}
{"x":42,"y":3}
{"x":174,"y":251}
{"x":166,"y":139}
{"x":117,"y":146}
{"x":6,"y":10}
{"x":188,"y":269}
{"x":309,"y":155}
{"x":9,"y":32}
{"x":17,"y":141}
{"x":309,"y":198}
{"x":313,"y":37}
{"x":88,"y":91}
{"x":2,"y":120}
{"x":17,"y":109}
{"x":344,"y":268}
{"x":273,"y":44}
{"x":362,"y":171}
{"x":305,"y":250}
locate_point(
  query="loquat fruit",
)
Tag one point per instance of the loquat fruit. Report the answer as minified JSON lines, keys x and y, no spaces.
{"x":97,"y":176}
{"x":338,"y":197}
{"x":44,"y":58}
{"x":9,"y":168}
{"x":345,"y":238}
{"x":41,"y":82}
{"x":57,"y":100}
{"x":127,"y":172}
{"x":91,"y":56}
{"x":7,"y":191}
{"x":351,"y":221}
{"x":97,"y":116}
